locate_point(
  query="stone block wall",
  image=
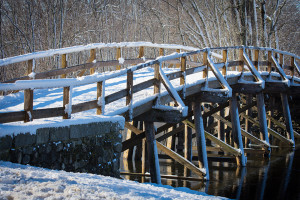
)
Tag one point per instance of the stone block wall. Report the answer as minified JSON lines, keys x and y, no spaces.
{"x":93,"y":148}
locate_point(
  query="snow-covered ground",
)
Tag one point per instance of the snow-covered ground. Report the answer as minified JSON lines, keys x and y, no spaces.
{"x":27,"y":182}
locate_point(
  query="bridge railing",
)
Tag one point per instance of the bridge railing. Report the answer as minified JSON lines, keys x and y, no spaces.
{"x":194,"y":61}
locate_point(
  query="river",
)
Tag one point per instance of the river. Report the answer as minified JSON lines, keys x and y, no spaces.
{"x":277,"y":177}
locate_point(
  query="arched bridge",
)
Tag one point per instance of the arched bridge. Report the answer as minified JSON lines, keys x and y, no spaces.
{"x":186,"y":89}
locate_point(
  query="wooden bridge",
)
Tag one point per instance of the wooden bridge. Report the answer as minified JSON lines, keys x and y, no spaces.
{"x":224,"y":87}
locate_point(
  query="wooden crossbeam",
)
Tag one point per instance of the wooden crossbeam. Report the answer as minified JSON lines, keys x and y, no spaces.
{"x":180,"y":159}
{"x":278,"y":123}
{"x":244,"y":133}
{"x":223,"y":145}
{"x":271,"y":131}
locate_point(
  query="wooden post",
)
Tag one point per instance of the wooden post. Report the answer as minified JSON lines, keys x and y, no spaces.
{"x":161,"y":53}
{"x":224,"y":69}
{"x":157,"y":77}
{"x":182,"y":69}
{"x":28,"y":96}
{"x":292,"y":67}
{"x":129,"y":92}
{"x":287,"y":117}
{"x":236,"y":129}
{"x":241,"y":60}
{"x":66,"y":90}
{"x":256,"y":55}
{"x":178,"y":65}
{"x":99,"y":95}
{"x":92,"y":58}
{"x":63,"y":64}
{"x":152,"y":153}
{"x":144,"y":153}
{"x":200,"y":137}
{"x":118,"y":55}
{"x":141,"y":52}
{"x":269,"y":69}
{"x":205,"y":62}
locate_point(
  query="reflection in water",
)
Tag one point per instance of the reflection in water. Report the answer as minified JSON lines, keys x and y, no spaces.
{"x":274,"y":178}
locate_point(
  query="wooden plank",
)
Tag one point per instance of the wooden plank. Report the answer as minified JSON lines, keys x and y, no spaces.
{"x":236,"y":129}
{"x":162,"y":176}
{"x":180,"y":159}
{"x":287,"y":117}
{"x":200,"y":138}
{"x":152,"y":153}
{"x":223,"y":145}
{"x":270,"y":131}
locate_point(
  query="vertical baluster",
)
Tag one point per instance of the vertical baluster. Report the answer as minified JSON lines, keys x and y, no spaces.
{"x":269,"y":69}
{"x":141,"y":52}
{"x":91,"y":59}
{"x":256,"y":54}
{"x":241,"y":60}
{"x":66,"y":90}
{"x":100,"y":97}
{"x":178,"y":65}
{"x":28,"y":96}
{"x":118,"y":55}
{"x":157,"y":79}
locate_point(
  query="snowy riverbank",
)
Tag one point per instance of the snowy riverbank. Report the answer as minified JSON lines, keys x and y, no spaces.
{"x":27,"y":182}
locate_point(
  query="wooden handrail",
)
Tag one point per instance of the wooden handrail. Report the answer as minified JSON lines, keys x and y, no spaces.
{"x":127,"y":92}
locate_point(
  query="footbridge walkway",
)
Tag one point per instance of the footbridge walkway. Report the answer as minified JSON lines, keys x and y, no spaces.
{"x":209,"y":98}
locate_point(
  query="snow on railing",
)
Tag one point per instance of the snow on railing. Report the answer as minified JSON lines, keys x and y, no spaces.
{"x":97,"y":77}
{"x":74,"y":49}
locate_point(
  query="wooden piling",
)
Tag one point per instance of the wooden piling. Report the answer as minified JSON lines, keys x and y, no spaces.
{"x":263,"y":128}
{"x":152,"y":153}
{"x":236,"y":129}
{"x":287,"y":117}
{"x":200,"y":137}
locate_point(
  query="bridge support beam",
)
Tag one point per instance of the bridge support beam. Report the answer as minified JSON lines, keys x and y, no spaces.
{"x":263,"y":127}
{"x":200,"y":137}
{"x":236,"y":129}
{"x":152,"y":153}
{"x":287,"y":117}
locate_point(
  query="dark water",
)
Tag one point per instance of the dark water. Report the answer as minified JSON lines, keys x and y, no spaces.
{"x":275,"y":178}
